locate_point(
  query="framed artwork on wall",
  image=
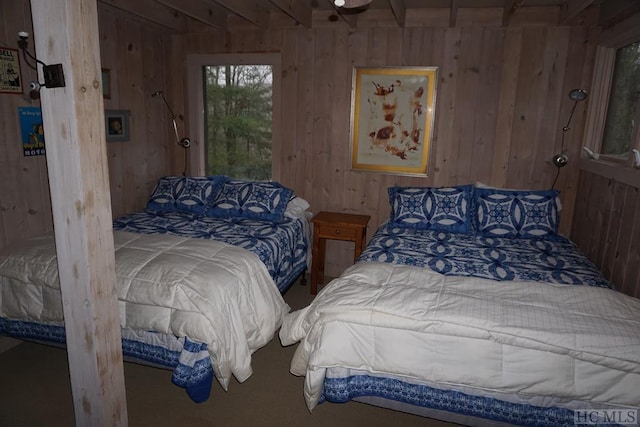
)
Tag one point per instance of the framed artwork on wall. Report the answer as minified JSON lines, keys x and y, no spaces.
{"x":10,"y":77}
{"x":32,"y":131}
{"x":117,"y":125}
{"x":392,"y":114}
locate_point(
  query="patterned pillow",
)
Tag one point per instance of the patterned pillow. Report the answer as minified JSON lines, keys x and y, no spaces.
{"x":251,"y":199}
{"x":445,"y":209}
{"x":198,"y":192}
{"x":187,"y":194}
{"x":519,"y":214}
{"x":167,"y":191}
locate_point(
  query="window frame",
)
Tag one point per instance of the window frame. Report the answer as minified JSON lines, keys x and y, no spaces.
{"x":621,"y":169}
{"x":195,"y":95}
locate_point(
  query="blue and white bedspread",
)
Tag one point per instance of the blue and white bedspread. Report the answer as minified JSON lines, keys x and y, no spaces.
{"x":555,"y":260}
{"x":281,"y":245}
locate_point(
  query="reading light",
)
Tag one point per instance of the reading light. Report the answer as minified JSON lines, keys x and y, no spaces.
{"x":183,"y":142}
{"x":53,"y":74}
{"x":561,"y":159}
{"x":577,"y":95}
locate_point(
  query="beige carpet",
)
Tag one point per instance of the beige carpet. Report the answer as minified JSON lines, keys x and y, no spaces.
{"x":36,"y":392}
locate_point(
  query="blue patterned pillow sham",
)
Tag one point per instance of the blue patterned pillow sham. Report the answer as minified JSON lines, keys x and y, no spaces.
{"x":516,"y":214}
{"x":164,"y":195}
{"x":188,"y":194}
{"x":251,"y":199}
{"x":426,"y":208}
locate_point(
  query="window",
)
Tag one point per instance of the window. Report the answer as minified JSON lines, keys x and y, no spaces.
{"x":234,"y":115}
{"x":612,"y":129}
{"x":621,"y":125}
{"x":237,"y":118}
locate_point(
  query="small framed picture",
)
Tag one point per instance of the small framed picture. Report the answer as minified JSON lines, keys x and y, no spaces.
{"x":106,"y":83}
{"x":117,"y":125}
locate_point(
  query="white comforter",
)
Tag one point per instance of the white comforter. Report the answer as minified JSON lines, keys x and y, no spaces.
{"x":575,"y":343}
{"x":210,"y":291}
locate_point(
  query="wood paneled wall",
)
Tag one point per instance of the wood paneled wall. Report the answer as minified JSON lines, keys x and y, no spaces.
{"x":501,"y":103}
{"x":135,"y":52}
{"x":606,"y":227}
{"x":502,"y":100}
{"x":25,"y":205}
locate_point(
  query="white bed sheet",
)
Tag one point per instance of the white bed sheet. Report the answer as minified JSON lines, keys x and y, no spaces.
{"x":209,"y":291}
{"x":570,"y":343}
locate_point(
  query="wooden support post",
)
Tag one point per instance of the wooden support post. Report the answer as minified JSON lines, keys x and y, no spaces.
{"x":66,"y":32}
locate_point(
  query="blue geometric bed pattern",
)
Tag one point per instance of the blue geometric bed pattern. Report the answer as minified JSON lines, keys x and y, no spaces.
{"x":280,"y":245}
{"x":556,"y":260}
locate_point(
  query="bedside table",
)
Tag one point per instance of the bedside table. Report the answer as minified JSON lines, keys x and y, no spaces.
{"x":335,"y":226}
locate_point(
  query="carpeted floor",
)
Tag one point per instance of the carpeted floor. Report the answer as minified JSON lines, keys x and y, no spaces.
{"x":36,"y":392}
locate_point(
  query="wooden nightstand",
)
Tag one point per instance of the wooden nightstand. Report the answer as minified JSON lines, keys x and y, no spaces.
{"x":335,"y":226}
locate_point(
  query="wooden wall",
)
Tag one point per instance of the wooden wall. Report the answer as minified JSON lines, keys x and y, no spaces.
{"x":501,"y":103}
{"x":135,"y":53}
{"x":25,"y":205}
{"x":607,"y":228}
{"x":502,"y":99}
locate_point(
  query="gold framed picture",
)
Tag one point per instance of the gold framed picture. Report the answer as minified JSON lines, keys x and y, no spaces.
{"x":392,"y":118}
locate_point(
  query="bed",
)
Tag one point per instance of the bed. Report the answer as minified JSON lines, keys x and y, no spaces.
{"x":468,"y":306}
{"x":200,"y":271}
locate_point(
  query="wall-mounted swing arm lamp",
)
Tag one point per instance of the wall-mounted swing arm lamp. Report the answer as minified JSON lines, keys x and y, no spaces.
{"x":577,"y":95}
{"x":53,"y":74}
{"x":183,"y":142}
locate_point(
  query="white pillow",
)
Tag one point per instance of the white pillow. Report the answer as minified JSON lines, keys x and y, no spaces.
{"x":296,"y":208}
{"x":483,"y":185}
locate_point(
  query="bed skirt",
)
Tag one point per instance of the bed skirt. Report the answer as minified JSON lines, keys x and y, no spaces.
{"x":189,"y":360}
{"x":468,"y":407}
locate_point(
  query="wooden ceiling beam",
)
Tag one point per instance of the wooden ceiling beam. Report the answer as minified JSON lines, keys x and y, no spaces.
{"x":510,"y":7}
{"x":201,"y":10}
{"x":399,"y":11}
{"x":615,"y":11}
{"x":453,"y":13}
{"x":153,"y":11}
{"x":573,"y":8}
{"x":246,"y":9}
{"x":300,"y":11}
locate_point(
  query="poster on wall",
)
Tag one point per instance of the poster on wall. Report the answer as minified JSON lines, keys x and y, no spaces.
{"x":32,"y":131}
{"x":10,"y":79}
